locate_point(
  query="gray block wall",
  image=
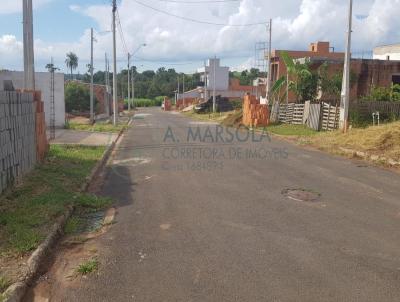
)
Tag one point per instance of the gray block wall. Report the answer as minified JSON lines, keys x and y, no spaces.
{"x":42,"y":81}
{"x":17,"y":136}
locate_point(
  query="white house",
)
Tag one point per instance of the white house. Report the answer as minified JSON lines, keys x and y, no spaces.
{"x":387,"y":52}
{"x":214,"y":70}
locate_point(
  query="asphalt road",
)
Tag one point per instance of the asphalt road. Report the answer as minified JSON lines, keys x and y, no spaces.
{"x":208,"y":221}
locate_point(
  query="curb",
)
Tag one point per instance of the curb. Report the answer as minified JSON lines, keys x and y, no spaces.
{"x":17,"y":291}
{"x":365,"y":155}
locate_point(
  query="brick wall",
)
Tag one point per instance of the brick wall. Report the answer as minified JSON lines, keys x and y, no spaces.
{"x":23,"y":139}
{"x":17,"y":136}
{"x":254,"y":114}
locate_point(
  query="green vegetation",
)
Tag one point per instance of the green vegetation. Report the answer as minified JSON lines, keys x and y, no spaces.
{"x":209,"y":117}
{"x":88,"y":267}
{"x":77,"y":97}
{"x":307,"y":83}
{"x":384,"y":94}
{"x":28,"y":210}
{"x":97,"y":127}
{"x":4,"y":284}
{"x":247,"y":77}
{"x":382,"y":141}
{"x":72,"y":225}
{"x":148,"y":102}
{"x":290,"y":130}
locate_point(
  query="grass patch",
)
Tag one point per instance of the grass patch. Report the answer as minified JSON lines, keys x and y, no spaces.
{"x":382,"y":140}
{"x":88,"y":267}
{"x":291,"y":130}
{"x":72,"y":226}
{"x":29,"y":209}
{"x":4,"y":284}
{"x":98,"y":127}
{"x":218,"y":117}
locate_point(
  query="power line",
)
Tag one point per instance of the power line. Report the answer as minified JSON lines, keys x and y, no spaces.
{"x":121,"y":33}
{"x":199,"y":21}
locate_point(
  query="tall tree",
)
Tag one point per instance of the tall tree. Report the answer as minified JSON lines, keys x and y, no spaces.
{"x":72,"y":61}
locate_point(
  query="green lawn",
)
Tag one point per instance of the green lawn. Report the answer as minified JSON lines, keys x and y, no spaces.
{"x":28,"y":210}
{"x":98,"y":127}
{"x":291,"y":130}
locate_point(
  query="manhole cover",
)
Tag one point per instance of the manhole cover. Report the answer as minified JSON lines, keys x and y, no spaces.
{"x":301,"y":195}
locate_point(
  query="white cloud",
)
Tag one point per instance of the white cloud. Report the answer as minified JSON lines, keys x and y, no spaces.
{"x":296,"y":23}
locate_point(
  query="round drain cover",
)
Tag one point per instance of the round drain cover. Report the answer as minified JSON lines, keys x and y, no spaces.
{"x":301,"y":195}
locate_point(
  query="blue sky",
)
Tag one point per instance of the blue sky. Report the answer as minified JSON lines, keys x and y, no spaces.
{"x":63,"y":25}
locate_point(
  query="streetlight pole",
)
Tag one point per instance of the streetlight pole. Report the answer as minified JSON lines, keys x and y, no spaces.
{"x":115,"y":98}
{"x":345,"y":95}
{"x":91,"y":78}
{"x":269,"y":76}
{"x":215,"y":82}
{"x":129,"y":83}
{"x":29,"y":61}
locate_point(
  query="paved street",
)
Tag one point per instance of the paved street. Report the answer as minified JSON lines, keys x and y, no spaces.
{"x":209,"y":221}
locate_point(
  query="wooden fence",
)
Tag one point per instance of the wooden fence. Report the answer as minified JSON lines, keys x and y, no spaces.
{"x":291,"y":113}
{"x":330,"y":117}
{"x":320,"y":116}
{"x":366,"y":108}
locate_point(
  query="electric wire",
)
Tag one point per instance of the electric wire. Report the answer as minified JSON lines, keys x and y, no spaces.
{"x":199,"y":21}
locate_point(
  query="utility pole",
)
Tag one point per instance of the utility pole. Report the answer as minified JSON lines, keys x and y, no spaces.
{"x":205,"y":82}
{"x":183,"y":90}
{"x":133,"y":90}
{"x":91,"y":78}
{"x":345,"y":95}
{"x":215,"y":82}
{"x":269,"y":76}
{"x":29,"y":61}
{"x":115,"y":97}
{"x":107,"y":81}
{"x":177,"y":99}
{"x":129,"y":83}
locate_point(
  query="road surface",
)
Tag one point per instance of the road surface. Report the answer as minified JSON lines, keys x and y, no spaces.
{"x":202,"y":220}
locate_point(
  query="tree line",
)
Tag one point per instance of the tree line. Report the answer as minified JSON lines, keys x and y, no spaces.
{"x":150,"y":84}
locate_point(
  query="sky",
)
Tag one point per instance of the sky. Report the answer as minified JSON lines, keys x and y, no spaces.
{"x":181,"y":34}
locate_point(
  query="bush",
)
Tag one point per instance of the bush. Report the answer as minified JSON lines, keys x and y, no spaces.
{"x":148,"y":102}
{"x":237,"y":104}
{"x":384,"y":94}
{"x":77,"y":97}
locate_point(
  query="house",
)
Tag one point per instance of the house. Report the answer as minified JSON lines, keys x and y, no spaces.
{"x":387,"y":52}
{"x":212,"y":73}
{"x":366,"y":73}
{"x":42,"y":81}
{"x":318,"y":50}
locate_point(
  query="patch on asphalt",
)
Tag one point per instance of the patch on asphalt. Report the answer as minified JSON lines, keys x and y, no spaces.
{"x":134,"y":161}
{"x":302,"y":195}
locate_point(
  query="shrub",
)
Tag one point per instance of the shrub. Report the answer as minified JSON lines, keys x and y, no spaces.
{"x":77,"y":97}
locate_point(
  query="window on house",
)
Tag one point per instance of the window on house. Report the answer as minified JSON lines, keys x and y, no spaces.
{"x":396,"y":79}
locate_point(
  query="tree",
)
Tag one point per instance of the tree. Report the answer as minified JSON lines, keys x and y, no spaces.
{"x":72,"y":61}
{"x":303,"y":83}
{"x":77,"y":97}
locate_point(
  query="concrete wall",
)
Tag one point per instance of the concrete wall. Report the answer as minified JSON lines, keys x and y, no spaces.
{"x":17,"y":136}
{"x":43,"y":84}
{"x":389,"y":52}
